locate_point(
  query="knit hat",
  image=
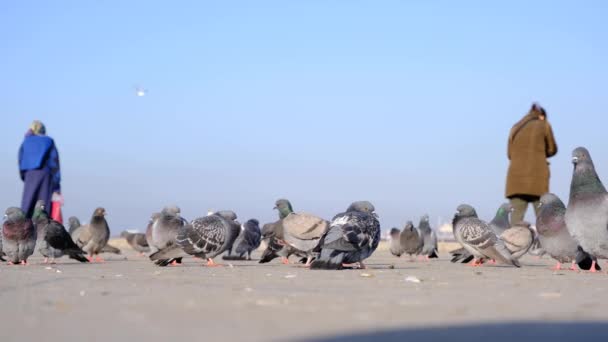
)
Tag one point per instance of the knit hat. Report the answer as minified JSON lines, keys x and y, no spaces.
{"x":38,"y":128}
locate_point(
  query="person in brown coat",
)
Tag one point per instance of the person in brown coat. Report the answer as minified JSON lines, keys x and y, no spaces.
{"x":531,"y":142}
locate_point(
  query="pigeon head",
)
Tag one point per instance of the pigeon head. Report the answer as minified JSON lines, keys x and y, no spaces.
{"x":99,"y":212}
{"x":171,"y":210}
{"x":40,"y":205}
{"x":551,"y":208}
{"x":73,"y":221}
{"x":580,"y":156}
{"x":548,"y":200}
{"x":584,"y":177}
{"x":465,"y":210}
{"x":424,"y":218}
{"x":504,"y":210}
{"x":394,"y":233}
{"x":268,"y":230}
{"x":227,"y":214}
{"x":284,"y":207}
{"x":39,"y":212}
{"x":252,"y":222}
{"x":362,"y":207}
{"x":409,"y":225}
{"x":14,"y":214}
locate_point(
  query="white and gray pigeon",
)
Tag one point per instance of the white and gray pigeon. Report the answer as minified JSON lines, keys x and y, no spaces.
{"x":553,"y":235}
{"x":249,"y":239}
{"x":137,"y":241}
{"x":477,"y":238}
{"x":352,"y":237}
{"x":53,"y":240}
{"x":205,"y":237}
{"x":587,"y":211}
{"x":518,"y":239}
{"x":430,"y":249}
{"x":164,"y":232}
{"x":18,"y":236}
{"x":394,"y":243}
{"x":93,"y":237}
{"x":411,"y":239}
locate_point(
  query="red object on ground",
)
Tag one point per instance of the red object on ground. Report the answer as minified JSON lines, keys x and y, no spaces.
{"x":56,"y":211}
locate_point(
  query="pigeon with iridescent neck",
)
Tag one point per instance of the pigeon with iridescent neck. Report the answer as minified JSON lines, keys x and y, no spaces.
{"x":501,"y":221}
{"x":587,"y":211}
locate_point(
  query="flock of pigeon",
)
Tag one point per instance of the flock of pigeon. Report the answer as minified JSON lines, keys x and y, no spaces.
{"x":576,"y":234}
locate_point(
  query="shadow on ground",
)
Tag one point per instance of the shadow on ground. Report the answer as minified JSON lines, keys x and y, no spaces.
{"x":508,"y":332}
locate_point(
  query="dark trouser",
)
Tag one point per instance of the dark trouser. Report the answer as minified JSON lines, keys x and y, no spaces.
{"x":520,"y":206}
{"x":37,"y":186}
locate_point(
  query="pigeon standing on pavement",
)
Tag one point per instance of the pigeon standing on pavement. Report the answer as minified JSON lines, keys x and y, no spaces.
{"x":554,"y":236}
{"x":164,"y":232}
{"x":478,"y":239}
{"x":53,"y":240}
{"x":93,"y":237}
{"x":249,"y":239}
{"x":274,"y":247}
{"x":395,"y":244}
{"x":587,"y":211}
{"x":411,"y":239}
{"x":430,"y":248}
{"x":205,"y":237}
{"x":352,"y":237}
{"x":18,"y":236}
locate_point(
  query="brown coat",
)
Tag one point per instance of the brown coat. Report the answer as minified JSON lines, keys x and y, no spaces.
{"x":531,"y":142}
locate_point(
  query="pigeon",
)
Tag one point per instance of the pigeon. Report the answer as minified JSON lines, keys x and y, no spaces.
{"x":1,"y":252}
{"x":411,"y":239}
{"x":430,"y":249}
{"x":53,"y":240}
{"x":351,"y":238}
{"x":553,"y":235}
{"x":137,"y":241}
{"x":93,"y":237}
{"x":18,"y":236}
{"x":230,"y":216}
{"x":274,"y":247}
{"x":300,"y":231}
{"x":501,"y":222}
{"x":73,"y":224}
{"x":164,"y":234}
{"x":110,"y":249}
{"x":587,"y":211}
{"x":478,"y":239}
{"x":395,"y":244}
{"x":518,"y":239}
{"x":205,"y":237}
{"x":249,"y":239}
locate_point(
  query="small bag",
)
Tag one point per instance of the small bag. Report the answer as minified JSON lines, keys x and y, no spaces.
{"x":56,"y":203}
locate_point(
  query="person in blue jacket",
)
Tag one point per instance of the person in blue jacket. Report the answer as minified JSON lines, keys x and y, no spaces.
{"x":39,"y":168}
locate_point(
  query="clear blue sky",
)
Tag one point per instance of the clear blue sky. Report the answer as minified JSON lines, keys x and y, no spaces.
{"x":407,"y":104}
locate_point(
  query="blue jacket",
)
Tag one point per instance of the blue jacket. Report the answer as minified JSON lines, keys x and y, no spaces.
{"x":39,"y":152}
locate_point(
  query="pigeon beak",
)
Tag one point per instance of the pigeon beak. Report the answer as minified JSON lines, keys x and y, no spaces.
{"x":575,"y":160}
{"x":274,"y":208}
{"x":540,"y":204}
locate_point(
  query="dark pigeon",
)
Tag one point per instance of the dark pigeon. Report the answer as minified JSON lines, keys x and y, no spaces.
{"x":249,"y":239}
{"x":18,"y":236}
{"x":352,"y":237}
{"x":411,"y":239}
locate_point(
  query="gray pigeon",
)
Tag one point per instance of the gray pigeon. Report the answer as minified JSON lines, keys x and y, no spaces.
{"x":477,"y":238}
{"x":587,"y":212}
{"x":501,"y":221}
{"x":352,"y":237}
{"x":411,"y":239}
{"x":137,"y":241}
{"x":164,"y":233}
{"x":276,"y":248}
{"x":230,"y":216}
{"x":53,"y":240}
{"x":73,"y":224}
{"x":395,"y":244}
{"x":93,"y":237}
{"x":430,"y":248}
{"x":553,"y":235}
{"x":518,"y":239}
{"x":1,"y":252}
{"x":18,"y":236}
{"x":204,"y":237}
{"x":300,"y":231}
{"x":249,"y":239}
{"x":110,"y":249}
